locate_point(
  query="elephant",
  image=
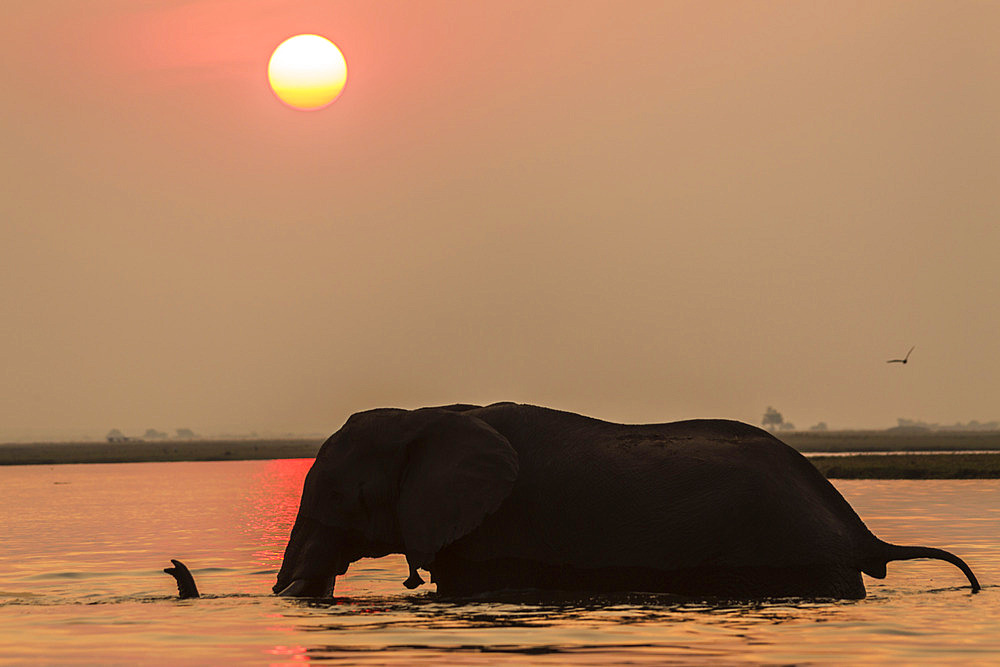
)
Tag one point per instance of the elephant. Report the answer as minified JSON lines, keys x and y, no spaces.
{"x":514,"y":496}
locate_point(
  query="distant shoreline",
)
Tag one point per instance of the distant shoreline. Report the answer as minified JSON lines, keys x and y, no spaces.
{"x":890,"y":441}
{"x":918,"y":462}
{"x":900,"y":454}
{"x":144,"y":451}
{"x":939,"y":465}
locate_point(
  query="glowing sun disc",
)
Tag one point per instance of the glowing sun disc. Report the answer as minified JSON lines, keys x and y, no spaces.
{"x":307,"y":72}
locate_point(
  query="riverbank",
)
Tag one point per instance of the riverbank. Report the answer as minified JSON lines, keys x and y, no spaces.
{"x":891,"y":441}
{"x":914,"y":464}
{"x":909,"y":466}
{"x":49,"y":453}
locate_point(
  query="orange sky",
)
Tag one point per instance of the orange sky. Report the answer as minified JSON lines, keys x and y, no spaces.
{"x":642,"y":211}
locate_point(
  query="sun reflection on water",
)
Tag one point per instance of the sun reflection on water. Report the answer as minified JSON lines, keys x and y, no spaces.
{"x":82,"y":581}
{"x":272,"y":502}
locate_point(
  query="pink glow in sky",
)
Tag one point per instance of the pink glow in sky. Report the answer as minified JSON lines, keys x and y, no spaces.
{"x":643,"y":211}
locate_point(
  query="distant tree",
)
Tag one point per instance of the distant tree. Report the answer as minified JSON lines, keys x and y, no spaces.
{"x":153,"y":434}
{"x":772,"y":418}
{"x":114,"y":435}
{"x":786,"y":426}
{"x":818,"y":427}
{"x":185,"y":433}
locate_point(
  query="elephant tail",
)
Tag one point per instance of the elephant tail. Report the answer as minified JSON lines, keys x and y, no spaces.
{"x":891,"y":552}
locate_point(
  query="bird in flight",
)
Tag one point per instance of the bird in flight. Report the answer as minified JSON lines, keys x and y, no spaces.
{"x":903,"y":360}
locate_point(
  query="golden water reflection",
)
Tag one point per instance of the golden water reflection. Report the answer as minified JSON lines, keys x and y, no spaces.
{"x":83,"y":549}
{"x":271,"y":503}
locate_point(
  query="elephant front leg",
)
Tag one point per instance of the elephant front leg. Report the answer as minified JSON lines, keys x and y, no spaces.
{"x":414,"y":579}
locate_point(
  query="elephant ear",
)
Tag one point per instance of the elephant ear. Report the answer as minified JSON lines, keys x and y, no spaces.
{"x":458,"y":470}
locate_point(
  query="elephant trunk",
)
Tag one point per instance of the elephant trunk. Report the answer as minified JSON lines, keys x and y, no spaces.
{"x":312,"y":561}
{"x":893,"y":552}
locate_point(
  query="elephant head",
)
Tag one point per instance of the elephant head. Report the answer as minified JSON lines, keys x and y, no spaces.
{"x":394,"y":481}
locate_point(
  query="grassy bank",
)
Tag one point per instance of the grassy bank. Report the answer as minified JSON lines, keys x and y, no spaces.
{"x":862,"y":466}
{"x":909,"y":466}
{"x":138,"y":452}
{"x":891,"y":441}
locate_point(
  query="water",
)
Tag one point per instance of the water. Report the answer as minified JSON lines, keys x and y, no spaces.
{"x":82,"y":548}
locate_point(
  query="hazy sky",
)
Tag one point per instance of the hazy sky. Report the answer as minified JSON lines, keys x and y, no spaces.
{"x":642,"y":211}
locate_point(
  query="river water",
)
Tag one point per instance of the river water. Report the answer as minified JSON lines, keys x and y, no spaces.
{"x":82,"y":549}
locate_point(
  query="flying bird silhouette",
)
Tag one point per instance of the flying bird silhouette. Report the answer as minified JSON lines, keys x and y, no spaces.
{"x":903,"y":360}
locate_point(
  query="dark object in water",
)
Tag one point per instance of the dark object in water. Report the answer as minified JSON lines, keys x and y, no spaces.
{"x":185,"y":582}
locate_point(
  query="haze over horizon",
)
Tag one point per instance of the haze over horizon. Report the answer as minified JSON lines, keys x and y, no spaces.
{"x":642,"y":211}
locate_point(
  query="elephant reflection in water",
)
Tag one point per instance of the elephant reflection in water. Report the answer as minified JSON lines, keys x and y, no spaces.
{"x":512,"y":496}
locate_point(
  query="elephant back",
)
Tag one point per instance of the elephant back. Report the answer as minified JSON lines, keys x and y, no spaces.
{"x":684,"y":494}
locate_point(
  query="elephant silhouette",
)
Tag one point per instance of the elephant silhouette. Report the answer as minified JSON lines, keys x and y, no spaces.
{"x":519,"y":496}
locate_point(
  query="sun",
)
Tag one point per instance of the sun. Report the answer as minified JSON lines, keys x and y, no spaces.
{"x":307,"y":72}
